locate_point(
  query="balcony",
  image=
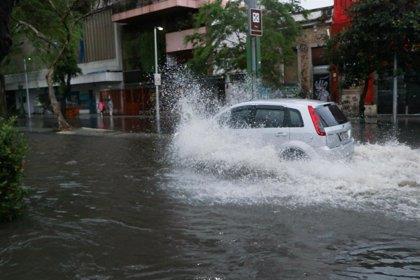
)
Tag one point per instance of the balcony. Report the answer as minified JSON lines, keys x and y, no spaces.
{"x":126,"y":10}
{"x":105,"y":71}
{"x":175,"y":41}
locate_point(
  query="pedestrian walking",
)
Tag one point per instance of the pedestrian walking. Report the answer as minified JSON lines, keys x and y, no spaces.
{"x":110,"y":105}
{"x":101,"y":107}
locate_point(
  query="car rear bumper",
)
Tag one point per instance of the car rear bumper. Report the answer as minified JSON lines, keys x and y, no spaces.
{"x":344,"y":151}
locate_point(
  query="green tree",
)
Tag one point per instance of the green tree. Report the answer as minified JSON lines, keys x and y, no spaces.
{"x":379,"y":30}
{"x":12,"y":152}
{"x":223,"y":45}
{"x":54,"y":27}
{"x":6,"y":7}
{"x":64,"y":71}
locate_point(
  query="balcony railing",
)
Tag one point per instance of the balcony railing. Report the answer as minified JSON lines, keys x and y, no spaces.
{"x":175,"y":41}
{"x":125,"y":5}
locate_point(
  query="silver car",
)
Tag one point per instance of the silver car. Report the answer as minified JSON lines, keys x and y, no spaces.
{"x":297,"y":128}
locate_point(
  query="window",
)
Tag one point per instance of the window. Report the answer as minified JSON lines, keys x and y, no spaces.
{"x":319,"y":56}
{"x":241,"y":117}
{"x":267,"y":117}
{"x":223,"y":119}
{"x":295,"y":118}
{"x":330,"y":115}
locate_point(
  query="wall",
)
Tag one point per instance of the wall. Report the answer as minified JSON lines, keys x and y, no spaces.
{"x":312,"y":37}
{"x":99,"y":37}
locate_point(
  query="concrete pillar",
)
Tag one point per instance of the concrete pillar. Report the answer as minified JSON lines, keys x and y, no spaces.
{"x":119,"y":58}
{"x":118,"y":45}
{"x":305,"y":69}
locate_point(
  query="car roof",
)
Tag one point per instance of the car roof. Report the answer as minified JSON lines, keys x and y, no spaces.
{"x":282,"y":101}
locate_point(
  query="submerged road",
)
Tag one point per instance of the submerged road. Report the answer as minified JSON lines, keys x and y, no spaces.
{"x":142,"y":208}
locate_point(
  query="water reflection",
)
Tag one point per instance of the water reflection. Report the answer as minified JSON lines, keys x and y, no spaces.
{"x":120,"y":123}
{"x":406,"y":131}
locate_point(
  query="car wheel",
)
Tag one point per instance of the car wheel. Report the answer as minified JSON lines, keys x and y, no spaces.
{"x":294,"y":154}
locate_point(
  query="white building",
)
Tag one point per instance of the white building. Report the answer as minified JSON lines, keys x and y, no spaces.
{"x":100,"y":61}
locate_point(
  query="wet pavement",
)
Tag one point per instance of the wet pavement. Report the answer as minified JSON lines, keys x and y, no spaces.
{"x":129,"y":124}
{"x":128,"y":208}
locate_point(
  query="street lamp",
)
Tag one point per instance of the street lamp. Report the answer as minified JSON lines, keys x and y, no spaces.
{"x":27,"y":87}
{"x":157,"y":79}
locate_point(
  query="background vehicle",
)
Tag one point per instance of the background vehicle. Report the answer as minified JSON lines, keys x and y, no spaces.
{"x":298,"y":128}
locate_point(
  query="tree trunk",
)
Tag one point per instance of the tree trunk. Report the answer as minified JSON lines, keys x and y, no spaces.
{"x":66,"y":92}
{"x":63,"y":103}
{"x":62,"y":123}
{"x":362,"y":99}
{"x":3,"y":102}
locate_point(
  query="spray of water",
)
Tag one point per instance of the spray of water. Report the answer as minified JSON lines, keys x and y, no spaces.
{"x":213,"y":165}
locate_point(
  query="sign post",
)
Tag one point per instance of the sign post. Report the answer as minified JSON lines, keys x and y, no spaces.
{"x":253,"y":42}
{"x":157,"y":81}
{"x":255,"y":23}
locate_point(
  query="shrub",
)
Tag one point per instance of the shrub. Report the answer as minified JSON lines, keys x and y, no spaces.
{"x":13,"y":148}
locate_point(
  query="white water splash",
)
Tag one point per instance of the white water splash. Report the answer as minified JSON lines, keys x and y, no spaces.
{"x":212,"y":165}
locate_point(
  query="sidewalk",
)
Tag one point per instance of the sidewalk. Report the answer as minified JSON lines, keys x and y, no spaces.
{"x":127,"y":124}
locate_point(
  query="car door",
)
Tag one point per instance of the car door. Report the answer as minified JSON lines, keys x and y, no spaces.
{"x":270,"y":125}
{"x":241,"y":118}
{"x":240,"y":122}
{"x":297,"y":128}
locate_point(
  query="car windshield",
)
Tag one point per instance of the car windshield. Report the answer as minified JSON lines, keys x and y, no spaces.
{"x":330,"y":115}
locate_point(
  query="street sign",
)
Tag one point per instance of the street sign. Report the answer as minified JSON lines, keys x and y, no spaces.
{"x":158,"y":80}
{"x":255,"y":22}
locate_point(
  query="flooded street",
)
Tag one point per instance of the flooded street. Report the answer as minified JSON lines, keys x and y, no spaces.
{"x":209,"y":140}
{"x":128,"y":208}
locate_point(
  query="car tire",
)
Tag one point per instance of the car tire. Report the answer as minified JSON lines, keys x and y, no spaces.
{"x":294,"y":154}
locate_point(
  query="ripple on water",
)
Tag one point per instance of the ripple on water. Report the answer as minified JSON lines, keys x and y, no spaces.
{"x":70,"y":185}
{"x":381,"y":260}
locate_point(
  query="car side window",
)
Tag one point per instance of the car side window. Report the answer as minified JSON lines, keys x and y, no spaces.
{"x":224,"y":118}
{"x":268,"y":118}
{"x":241,"y":117}
{"x":295,"y":118}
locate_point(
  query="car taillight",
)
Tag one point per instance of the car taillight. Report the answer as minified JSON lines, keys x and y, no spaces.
{"x":316,"y":121}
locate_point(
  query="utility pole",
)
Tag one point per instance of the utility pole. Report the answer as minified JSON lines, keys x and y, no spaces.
{"x":253,"y":42}
{"x":394,"y":92}
{"x":157,"y":80}
{"x":27,"y":88}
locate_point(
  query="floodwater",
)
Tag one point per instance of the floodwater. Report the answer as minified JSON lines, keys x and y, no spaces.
{"x":197,"y":206}
{"x":202,"y":204}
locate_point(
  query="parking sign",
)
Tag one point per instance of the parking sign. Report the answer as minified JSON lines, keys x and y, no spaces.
{"x":158,"y":80}
{"x":255,"y":25}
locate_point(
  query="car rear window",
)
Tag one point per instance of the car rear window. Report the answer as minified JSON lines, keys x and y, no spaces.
{"x":330,"y":115}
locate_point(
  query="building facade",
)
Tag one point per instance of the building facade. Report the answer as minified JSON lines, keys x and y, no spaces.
{"x":310,"y":72}
{"x":116,"y":56}
{"x":138,"y":20}
{"x":100,"y":60}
